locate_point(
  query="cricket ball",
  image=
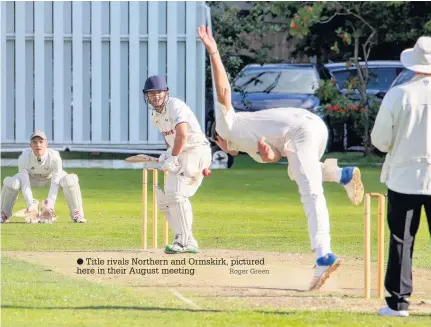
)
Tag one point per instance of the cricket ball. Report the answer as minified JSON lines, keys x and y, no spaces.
{"x":206,"y":172}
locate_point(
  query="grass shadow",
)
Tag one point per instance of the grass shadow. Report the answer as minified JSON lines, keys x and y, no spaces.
{"x":108,"y":307}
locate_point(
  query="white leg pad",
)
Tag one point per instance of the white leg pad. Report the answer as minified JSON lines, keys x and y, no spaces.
{"x":189,"y":220}
{"x":163,"y":206}
{"x":180,"y":215}
{"x":72,"y":193}
{"x":9,"y":194}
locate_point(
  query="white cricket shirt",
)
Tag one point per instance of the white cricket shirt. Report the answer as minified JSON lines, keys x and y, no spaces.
{"x":403,"y":130}
{"x":176,"y":112}
{"x":243,"y":130}
{"x":49,"y":167}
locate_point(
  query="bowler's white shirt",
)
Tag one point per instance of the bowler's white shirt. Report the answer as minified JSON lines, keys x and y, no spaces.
{"x":176,"y":112}
{"x":403,"y":130}
{"x":243,"y":130}
{"x":49,"y":167}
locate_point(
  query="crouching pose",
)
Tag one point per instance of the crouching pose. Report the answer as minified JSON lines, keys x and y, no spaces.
{"x":297,"y":134}
{"x":187,"y":157}
{"x":41,"y":167}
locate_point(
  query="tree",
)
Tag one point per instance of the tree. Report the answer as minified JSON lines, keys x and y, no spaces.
{"x":346,"y":31}
{"x":365,"y":24}
{"x":317,"y":36}
{"x":361,"y":25}
{"x":231,"y":28}
{"x":357,"y":29}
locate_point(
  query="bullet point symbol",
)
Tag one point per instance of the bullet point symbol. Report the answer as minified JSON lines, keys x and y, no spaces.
{"x":80,"y":261}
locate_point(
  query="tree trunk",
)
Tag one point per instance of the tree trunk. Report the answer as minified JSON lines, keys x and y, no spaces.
{"x":363,"y":81}
{"x":366,"y":136}
{"x":367,"y":141}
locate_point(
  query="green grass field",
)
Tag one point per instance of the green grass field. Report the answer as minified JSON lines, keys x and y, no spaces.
{"x":249,"y":207}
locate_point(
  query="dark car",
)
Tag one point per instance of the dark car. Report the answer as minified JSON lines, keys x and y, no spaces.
{"x":381,"y":75}
{"x":259,"y":87}
{"x":405,"y":76}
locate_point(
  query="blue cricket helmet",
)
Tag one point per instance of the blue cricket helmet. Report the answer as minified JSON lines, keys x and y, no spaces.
{"x":155,"y":83}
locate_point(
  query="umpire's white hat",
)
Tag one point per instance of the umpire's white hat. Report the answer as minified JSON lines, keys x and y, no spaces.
{"x":418,"y":59}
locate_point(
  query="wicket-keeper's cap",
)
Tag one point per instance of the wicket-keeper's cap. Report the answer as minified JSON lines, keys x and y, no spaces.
{"x":38,"y":133}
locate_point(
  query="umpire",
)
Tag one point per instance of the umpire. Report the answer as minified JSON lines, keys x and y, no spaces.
{"x":403,"y":130}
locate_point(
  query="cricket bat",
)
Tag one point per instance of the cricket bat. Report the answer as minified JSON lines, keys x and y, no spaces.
{"x":142,"y":158}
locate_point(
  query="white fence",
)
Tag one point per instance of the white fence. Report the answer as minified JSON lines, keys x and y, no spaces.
{"x":76,"y":70}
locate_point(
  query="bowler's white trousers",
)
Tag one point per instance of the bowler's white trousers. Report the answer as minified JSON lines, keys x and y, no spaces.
{"x":304,"y":148}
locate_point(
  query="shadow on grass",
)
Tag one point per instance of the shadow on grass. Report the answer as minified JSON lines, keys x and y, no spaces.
{"x":265,"y":312}
{"x":108,"y":307}
{"x":297,"y":290}
{"x":232,"y":288}
{"x":142,"y":309}
{"x":235,"y":295}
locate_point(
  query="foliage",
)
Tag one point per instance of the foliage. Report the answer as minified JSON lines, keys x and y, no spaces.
{"x":340,"y":31}
{"x":230,"y":26}
{"x":345,"y":106}
{"x":356,"y":30}
{"x":314,"y":24}
{"x":390,"y":39}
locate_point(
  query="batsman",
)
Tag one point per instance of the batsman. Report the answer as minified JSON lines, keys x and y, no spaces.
{"x":39,"y":166}
{"x":187,"y":157}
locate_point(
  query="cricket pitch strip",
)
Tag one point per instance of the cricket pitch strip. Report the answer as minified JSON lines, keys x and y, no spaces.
{"x":238,"y":279}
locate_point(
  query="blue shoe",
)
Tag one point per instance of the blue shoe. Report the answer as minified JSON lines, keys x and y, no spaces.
{"x":346,"y":175}
{"x":327,"y":260}
{"x":324,"y":267}
{"x":351,"y":179}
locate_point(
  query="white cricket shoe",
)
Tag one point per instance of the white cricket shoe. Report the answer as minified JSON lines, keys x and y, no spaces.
{"x":176,"y":247}
{"x":388,"y":312}
{"x":324,"y":267}
{"x":4,"y":218}
{"x":351,"y":179}
{"x":78,"y":217}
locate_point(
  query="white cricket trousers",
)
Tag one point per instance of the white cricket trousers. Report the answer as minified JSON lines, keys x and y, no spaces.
{"x":306,"y":146}
{"x":188,"y":179}
{"x":179,"y":187}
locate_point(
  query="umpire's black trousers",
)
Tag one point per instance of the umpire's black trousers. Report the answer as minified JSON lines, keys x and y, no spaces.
{"x":404,"y":212}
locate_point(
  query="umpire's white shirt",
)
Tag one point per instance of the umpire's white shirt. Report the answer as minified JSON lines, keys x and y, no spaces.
{"x":403,"y":130}
{"x":176,"y":112}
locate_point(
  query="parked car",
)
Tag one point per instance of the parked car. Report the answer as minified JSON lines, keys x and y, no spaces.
{"x":382,"y":75}
{"x":258,"y":87}
{"x":403,"y":77}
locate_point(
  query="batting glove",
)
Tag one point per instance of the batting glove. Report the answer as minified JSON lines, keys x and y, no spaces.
{"x":165,"y":155}
{"x":171,"y":164}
